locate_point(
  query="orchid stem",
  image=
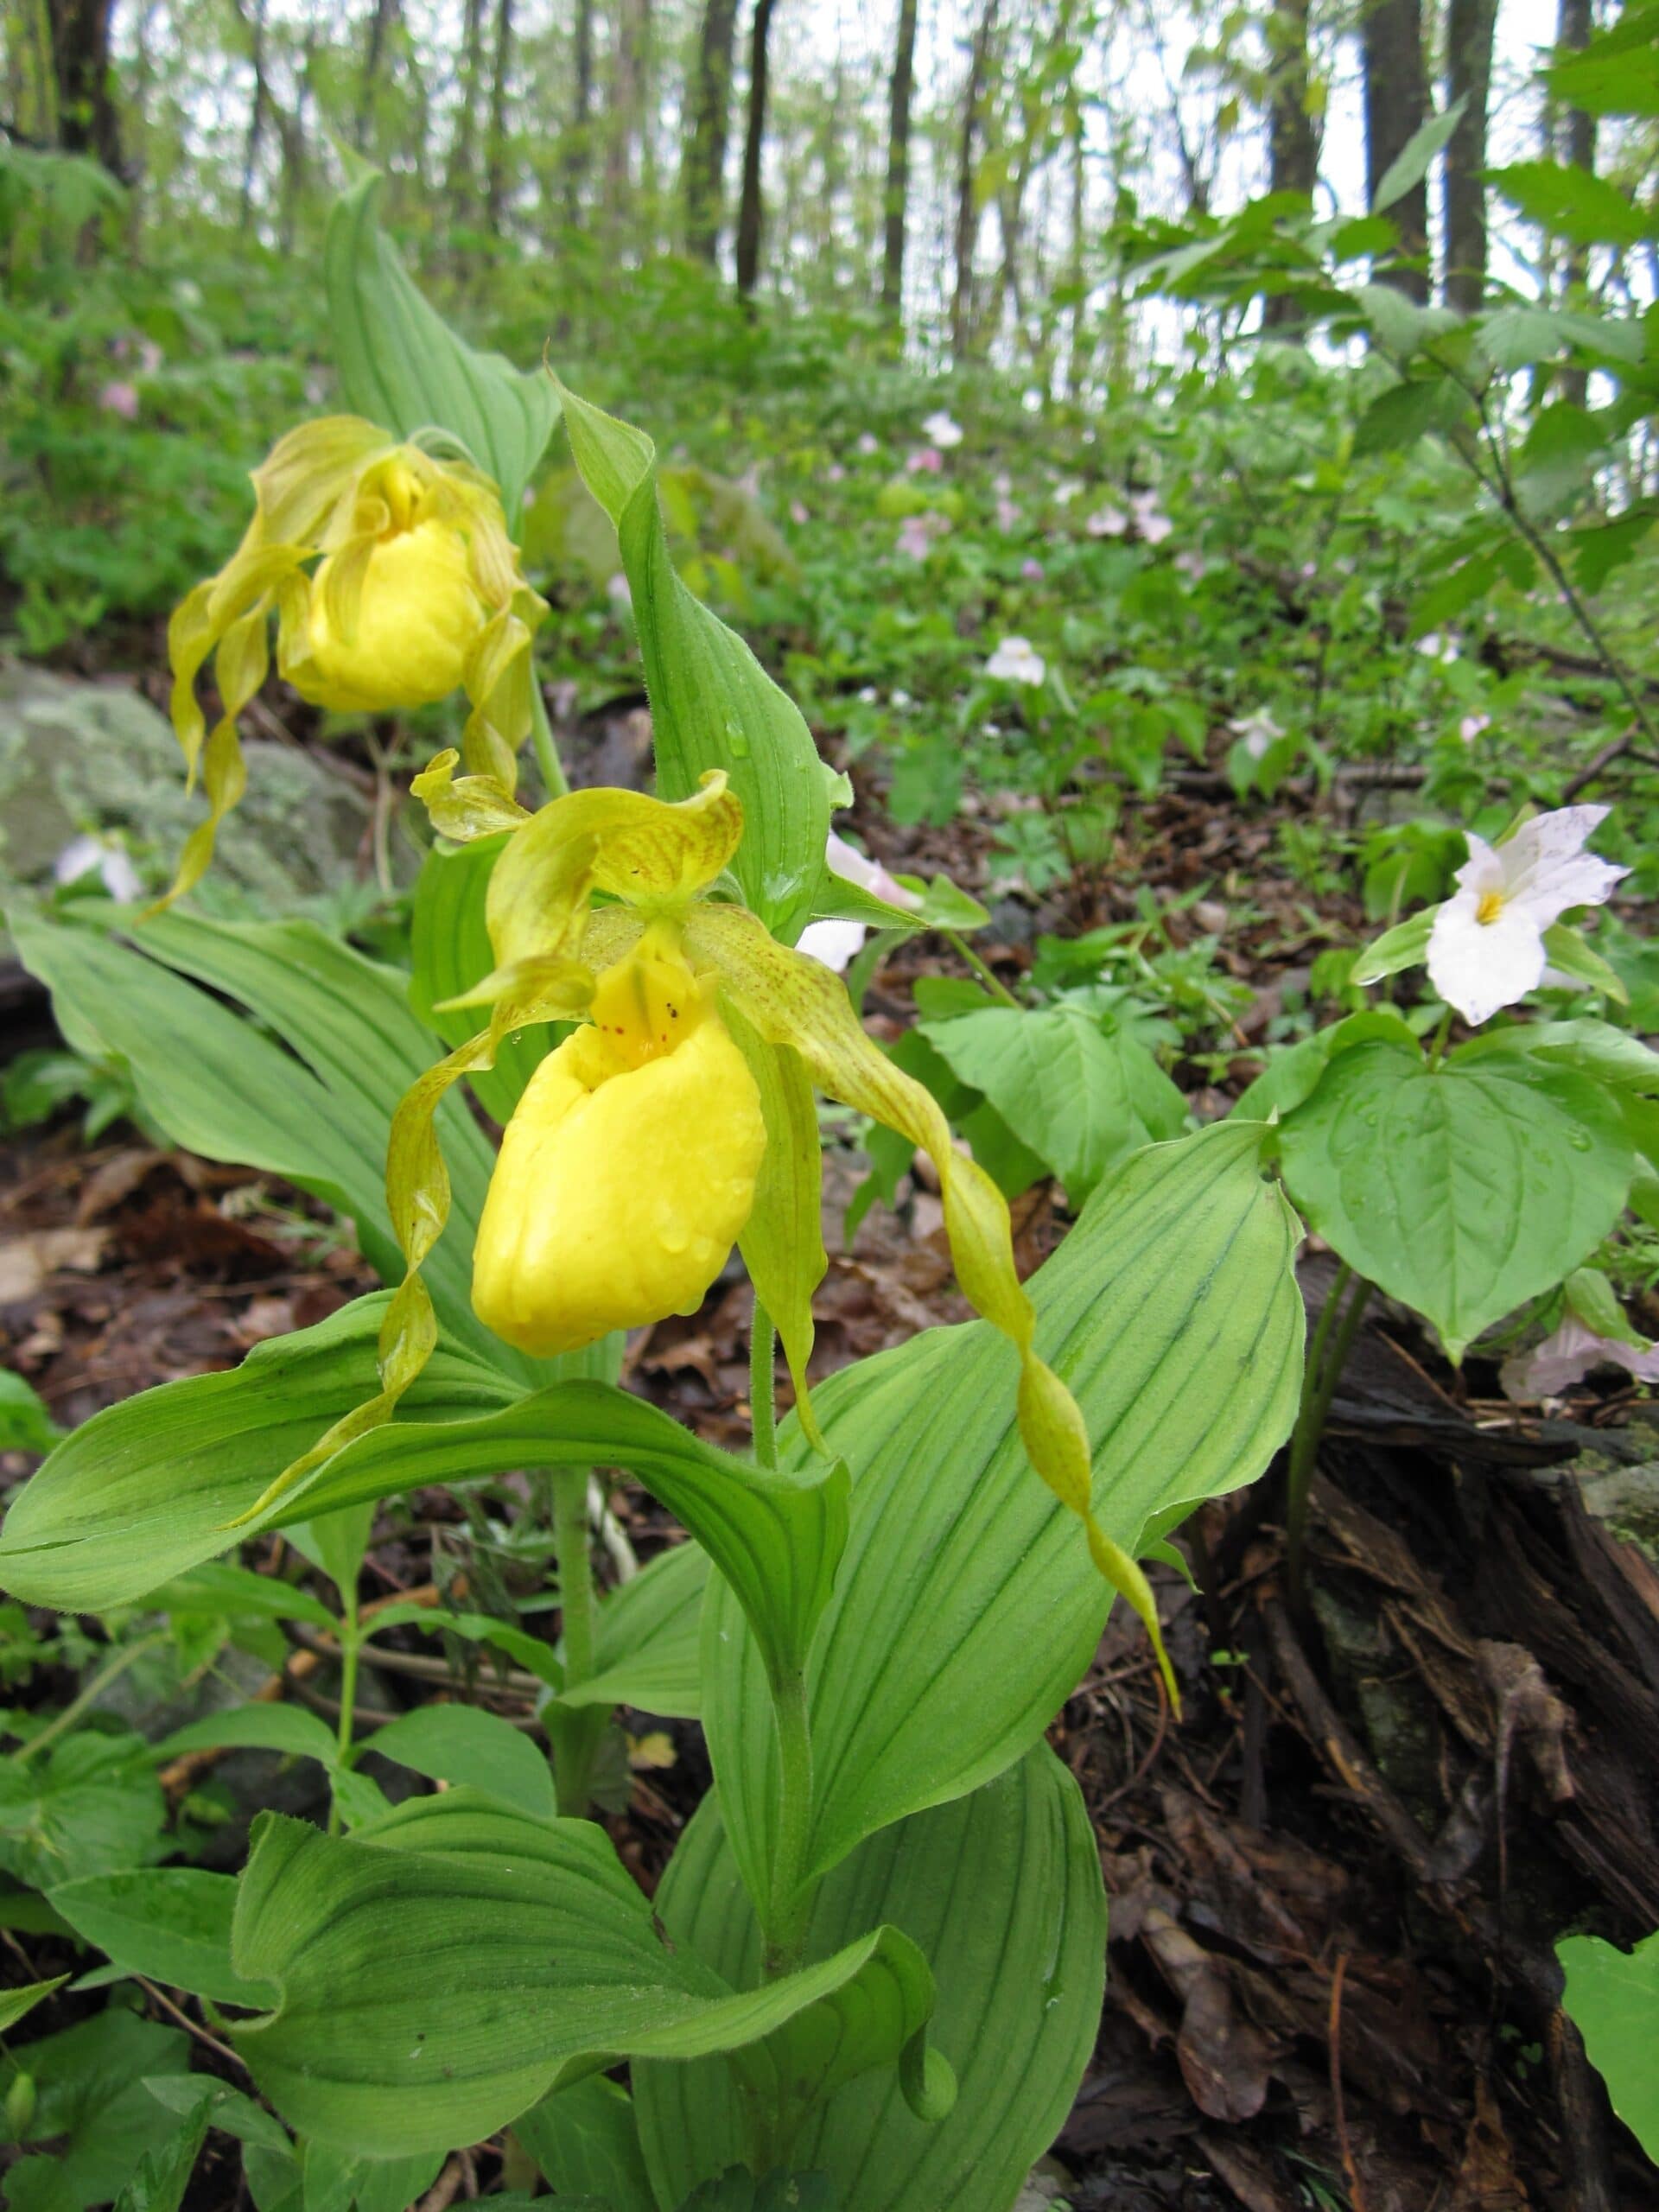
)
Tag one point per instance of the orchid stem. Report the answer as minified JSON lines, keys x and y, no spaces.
{"x":763,"y":1403}
{"x":1325,"y":1360}
{"x":790,"y":1907}
{"x":555,"y":782}
{"x":351,"y":1644}
{"x":574,"y":1747}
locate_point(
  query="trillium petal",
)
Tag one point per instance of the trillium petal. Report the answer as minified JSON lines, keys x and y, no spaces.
{"x":1548,"y":870}
{"x":1483,"y":871}
{"x":1477,"y":966}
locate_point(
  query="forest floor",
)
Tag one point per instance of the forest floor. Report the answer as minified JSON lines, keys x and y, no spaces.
{"x":1336,"y":1877}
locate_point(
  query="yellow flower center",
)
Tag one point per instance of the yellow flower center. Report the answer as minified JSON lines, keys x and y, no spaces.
{"x":1491,"y":905}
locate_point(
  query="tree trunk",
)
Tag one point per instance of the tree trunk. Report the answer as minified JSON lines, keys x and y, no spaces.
{"x":898,"y":191}
{"x":1574,"y":22}
{"x":463,"y":151}
{"x":1397,"y":107}
{"x":87,"y":123}
{"x":257,"y":113}
{"x":749,"y":212}
{"x":578,"y":150}
{"x":379,"y":24}
{"x":962,"y":301}
{"x":622,"y":125}
{"x":1292,"y":143}
{"x":1470,"y":25}
{"x":495,"y":180}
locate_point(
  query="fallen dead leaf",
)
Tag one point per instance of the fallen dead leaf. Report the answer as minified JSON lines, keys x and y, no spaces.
{"x":27,"y":1261}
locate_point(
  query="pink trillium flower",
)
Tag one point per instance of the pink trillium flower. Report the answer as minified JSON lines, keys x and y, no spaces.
{"x":854,"y":867}
{"x":1150,"y":520}
{"x":1032,"y":569}
{"x":1006,"y":515}
{"x":120,"y":399}
{"x":917,"y":533}
{"x":1106,"y":522}
{"x":1487,"y":947}
{"x":867,"y":444}
{"x":1567,"y":1356}
{"x":1472,"y":725}
{"x":929,"y":462}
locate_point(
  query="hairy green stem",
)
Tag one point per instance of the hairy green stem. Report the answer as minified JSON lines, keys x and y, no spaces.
{"x":763,"y":1403}
{"x":555,"y":782}
{"x":78,"y":1704}
{"x":573,"y":1748}
{"x":1327,"y":1356}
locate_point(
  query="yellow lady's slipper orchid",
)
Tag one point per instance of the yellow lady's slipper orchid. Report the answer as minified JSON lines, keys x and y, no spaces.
{"x":635,"y":1157}
{"x":628,"y":1171}
{"x":416,"y":593}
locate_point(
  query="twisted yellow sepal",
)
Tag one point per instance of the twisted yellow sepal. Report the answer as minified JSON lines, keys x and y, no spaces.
{"x":641,"y":1148}
{"x":416,"y":593}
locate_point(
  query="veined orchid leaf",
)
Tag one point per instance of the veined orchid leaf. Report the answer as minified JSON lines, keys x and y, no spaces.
{"x":712,"y":706}
{"x":1002,"y":1892}
{"x":965,"y":1610}
{"x":556,"y":1966}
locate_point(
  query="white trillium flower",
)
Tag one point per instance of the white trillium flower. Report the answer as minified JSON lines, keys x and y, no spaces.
{"x":1016,"y":660}
{"x":90,"y":855}
{"x":942,"y":430}
{"x":836,"y":944}
{"x":1259,"y":732}
{"x":1486,"y":949}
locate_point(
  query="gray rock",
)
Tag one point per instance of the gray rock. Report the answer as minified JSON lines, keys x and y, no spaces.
{"x":79,"y":757}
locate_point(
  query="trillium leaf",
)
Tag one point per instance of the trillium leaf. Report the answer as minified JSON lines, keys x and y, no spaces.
{"x":461,"y":1743}
{"x":1596,"y":1049}
{"x":712,"y":706}
{"x":288,"y":1729}
{"x":1081,"y":1100}
{"x":965,"y":1610}
{"x":1461,"y":1191}
{"x":1612,"y":1998}
{"x":556,"y":1966}
{"x":17,"y":2004}
{"x":1405,"y":945}
{"x":1001,"y":1891}
{"x":400,"y":365}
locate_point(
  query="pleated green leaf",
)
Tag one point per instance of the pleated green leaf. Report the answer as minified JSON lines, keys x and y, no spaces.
{"x":713,"y":705}
{"x":401,"y":365}
{"x":1001,"y":1891}
{"x":965,"y":1610}
{"x":553,"y":1966}
{"x":146,"y":1489}
{"x":150,"y":1488}
{"x":1464,"y":1190}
